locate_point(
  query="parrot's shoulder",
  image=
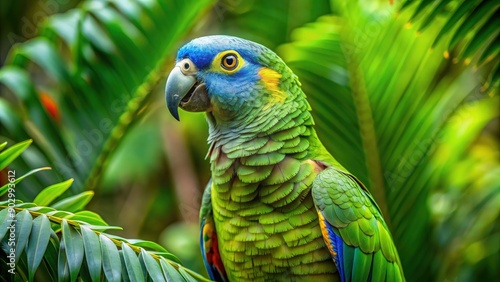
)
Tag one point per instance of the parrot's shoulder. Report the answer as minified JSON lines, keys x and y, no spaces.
{"x":335,"y":185}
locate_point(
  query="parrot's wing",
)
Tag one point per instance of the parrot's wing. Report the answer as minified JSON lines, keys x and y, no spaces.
{"x":208,"y":239}
{"x":354,"y":230}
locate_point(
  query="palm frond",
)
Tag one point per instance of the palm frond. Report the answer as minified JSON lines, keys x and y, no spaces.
{"x":245,"y":18}
{"x":69,"y":243}
{"x":380,"y":99}
{"x":474,"y":26}
{"x":79,"y":84}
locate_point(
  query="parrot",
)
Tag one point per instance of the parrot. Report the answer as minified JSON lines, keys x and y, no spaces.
{"x":278,"y":206}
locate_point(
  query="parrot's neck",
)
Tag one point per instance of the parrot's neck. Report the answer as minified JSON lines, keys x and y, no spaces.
{"x":283,"y":131}
{"x":264,"y":122}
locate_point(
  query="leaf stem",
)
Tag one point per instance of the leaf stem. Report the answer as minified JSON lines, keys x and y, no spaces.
{"x":118,"y":243}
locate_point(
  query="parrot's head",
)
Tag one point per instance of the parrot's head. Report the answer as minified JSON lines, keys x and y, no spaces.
{"x":226,"y":76}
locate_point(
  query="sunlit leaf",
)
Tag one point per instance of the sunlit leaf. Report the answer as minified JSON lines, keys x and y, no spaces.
{"x":49,"y":194}
{"x":10,"y":154}
{"x":57,"y":213}
{"x":168,"y":256}
{"x":147,"y":244}
{"x":74,"y":203}
{"x":88,"y":217}
{"x":45,"y":210}
{"x":472,"y":23}
{"x":2,"y":146}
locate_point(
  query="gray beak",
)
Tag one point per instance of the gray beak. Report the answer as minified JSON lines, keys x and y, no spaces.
{"x":184,"y":91}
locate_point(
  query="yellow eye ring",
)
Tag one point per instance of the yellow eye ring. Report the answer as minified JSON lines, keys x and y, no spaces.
{"x":229,"y":62}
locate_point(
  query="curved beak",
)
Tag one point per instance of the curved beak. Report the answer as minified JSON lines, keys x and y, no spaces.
{"x":184,"y":91}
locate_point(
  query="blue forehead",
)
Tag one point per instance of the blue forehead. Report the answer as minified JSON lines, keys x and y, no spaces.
{"x":201,"y":51}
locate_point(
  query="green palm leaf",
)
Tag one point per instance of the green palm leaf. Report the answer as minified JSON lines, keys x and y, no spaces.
{"x":61,"y":239}
{"x":245,"y":18}
{"x":85,"y":78}
{"x":380,"y":99}
{"x":475,"y":26}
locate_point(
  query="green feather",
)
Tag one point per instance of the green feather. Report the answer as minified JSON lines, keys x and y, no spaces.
{"x":239,"y":221}
{"x":240,"y":188}
{"x":301,"y":208}
{"x":293,"y":196}
{"x":224,"y":177}
{"x":386,"y":243}
{"x":269,"y":189}
{"x":255,"y":210}
{"x":354,"y":236}
{"x":348,"y":259}
{"x":397,"y":273}
{"x":272,"y":218}
{"x":255,"y":143}
{"x":339,"y":214}
{"x":295,"y":234}
{"x":271,"y":146}
{"x":361,"y":266}
{"x":278,"y":227}
{"x":270,"y":243}
{"x":291,"y":143}
{"x":300,"y":155}
{"x":283,"y":171}
{"x":368,"y":226}
{"x":223,"y":163}
{"x":350,"y":214}
{"x":391,"y":272}
{"x":280,"y":193}
{"x":305,"y":171}
{"x":301,"y":147}
{"x":244,"y":198}
{"x":304,"y":218}
{"x":288,"y":134}
{"x":264,"y":159}
{"x":253,"y":175}
{"x":239,"y":153}
{"x":379,"y":267}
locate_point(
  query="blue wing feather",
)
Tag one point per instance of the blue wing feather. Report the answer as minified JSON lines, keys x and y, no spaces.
{"x":334,"y":243}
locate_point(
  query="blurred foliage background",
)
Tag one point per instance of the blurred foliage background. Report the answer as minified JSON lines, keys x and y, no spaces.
{"x":404,"y":94}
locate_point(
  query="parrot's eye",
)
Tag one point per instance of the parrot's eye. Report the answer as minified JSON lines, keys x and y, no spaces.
{"x":187,"y":67}
{"x":229,"y":62}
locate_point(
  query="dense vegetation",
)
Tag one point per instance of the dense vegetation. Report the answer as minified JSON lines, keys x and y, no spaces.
{"x":404,"y":95}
